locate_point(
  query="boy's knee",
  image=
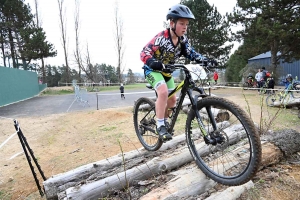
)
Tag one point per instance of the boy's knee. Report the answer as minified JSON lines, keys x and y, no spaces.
{"x":172,"y":100}
{"x":162,"y":91}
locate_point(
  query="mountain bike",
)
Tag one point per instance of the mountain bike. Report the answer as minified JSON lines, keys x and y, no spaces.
{"x":221,"y":137}
{"x":250,"y":83}
{"x":284,"y":96}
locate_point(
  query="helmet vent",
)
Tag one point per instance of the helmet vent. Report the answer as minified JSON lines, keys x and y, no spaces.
{"x":188,"y":11}
{"x":181,"y":8}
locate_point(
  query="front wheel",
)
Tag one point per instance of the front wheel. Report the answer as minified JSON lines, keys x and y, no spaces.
{"x":145,"y":124}
{"x":233,"y":154}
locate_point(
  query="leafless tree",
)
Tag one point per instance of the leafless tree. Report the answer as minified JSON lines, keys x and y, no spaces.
{"x":89,"y":67}
{"x":77,"y":54}
{"x":119,"y":40}
{"x":39,"y":24}
{"x":85,"y":64}
{"x":37,"y":15}
{"x":63,"y":34}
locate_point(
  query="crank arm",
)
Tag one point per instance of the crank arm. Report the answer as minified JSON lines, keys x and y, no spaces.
{"x":148,"y":129}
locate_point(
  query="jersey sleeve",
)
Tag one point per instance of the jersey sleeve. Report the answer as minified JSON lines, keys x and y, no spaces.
{"x":188,"y":51}
{"x":148,"y":51}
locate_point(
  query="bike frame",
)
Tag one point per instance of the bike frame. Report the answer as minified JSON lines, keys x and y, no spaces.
{"x":187,"y":86}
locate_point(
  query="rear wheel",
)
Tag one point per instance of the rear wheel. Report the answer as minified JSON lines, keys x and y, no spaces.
{"x":145,"y":124}
{"x":233,"y":155}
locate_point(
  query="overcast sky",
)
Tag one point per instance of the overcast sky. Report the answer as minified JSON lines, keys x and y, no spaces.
{"x":142,"y":21}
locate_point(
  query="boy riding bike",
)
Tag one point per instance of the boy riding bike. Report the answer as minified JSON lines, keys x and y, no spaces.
{"x":165,"y":48}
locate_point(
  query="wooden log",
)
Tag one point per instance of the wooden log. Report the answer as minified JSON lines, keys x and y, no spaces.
{"x":60,"y":182}
{"x":275,"y":146}
{"x":101,"y":188}
{"x":289,"y":101}
{"x":187,"y":182}
{"x":231,"y":193}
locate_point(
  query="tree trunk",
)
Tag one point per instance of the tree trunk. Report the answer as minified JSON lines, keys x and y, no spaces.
{"x":12,"y":48}
{"x":190,"y":181}
{"x":274,"y":51}
{"x":43,"y":71}
{"x":2,"y":50}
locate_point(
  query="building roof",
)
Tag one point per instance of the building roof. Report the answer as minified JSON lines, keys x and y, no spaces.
{"x":263,"y":55}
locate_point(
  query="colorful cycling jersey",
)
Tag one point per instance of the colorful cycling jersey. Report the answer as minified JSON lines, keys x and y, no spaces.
{"x":161,"y":48}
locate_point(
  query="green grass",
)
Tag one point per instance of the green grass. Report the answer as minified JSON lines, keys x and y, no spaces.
{"x":117,"y":87}
{"x":4,"y":195}
{"x":108,"y":128}
{"x":50,"y":91}
{"x":56,"y":92}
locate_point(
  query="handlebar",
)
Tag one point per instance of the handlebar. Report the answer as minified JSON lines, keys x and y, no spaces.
{"x":170,"y":68}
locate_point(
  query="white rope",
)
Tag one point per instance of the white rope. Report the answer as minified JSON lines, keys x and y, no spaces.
{"x":7,"y":140}
{"x":123,"y":93}
{"x":244,"y":88}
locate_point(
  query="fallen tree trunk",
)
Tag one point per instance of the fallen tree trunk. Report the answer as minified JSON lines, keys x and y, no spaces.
{"x":101,"y":188}
{"x":187,"y":182}
{"x":274,"y":147}
{"x":60,"y":182}
{"x":289,"y":101}
{"x":231,"y":193}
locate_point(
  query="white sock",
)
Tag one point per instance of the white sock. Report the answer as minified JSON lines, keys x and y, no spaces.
{"x":160,"y":122}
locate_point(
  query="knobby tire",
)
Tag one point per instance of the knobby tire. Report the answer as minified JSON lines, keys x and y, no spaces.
{"x":145,"y":124}
{"x":234,"y":161}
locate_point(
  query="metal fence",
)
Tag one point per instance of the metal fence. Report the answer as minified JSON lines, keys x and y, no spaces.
{"x":81,"y":95}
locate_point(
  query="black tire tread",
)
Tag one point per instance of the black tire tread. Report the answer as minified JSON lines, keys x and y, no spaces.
{"x":253,"y":135}
{"x":136,"y":124}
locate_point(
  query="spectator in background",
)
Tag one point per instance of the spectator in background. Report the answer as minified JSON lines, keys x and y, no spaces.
{"x":258,"y":77}
{"x":122,"y":91}
{"x":271,"y":83}
{"x":216,"y":77}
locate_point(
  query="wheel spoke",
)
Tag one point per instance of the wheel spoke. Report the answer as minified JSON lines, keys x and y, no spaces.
{"x":237,"y":150}
{"x":145,"y":124}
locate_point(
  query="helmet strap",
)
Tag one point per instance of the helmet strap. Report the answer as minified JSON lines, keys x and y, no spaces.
{"x":174,"y":29}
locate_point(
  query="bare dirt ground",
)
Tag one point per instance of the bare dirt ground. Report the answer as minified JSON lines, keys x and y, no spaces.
{"x":65,"y":141}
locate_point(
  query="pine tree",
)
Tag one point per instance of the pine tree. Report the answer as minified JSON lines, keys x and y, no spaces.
{"x":208,"y":33}
{"x":269,"y":24}
{"x":20,"y":38}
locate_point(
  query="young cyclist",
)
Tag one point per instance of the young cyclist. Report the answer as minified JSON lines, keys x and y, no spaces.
{"x":165,"y":48}
{"x":288,"y":80}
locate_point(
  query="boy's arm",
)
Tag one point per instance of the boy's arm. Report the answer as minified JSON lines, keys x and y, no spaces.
{"x":147,"y":53}
{"x":189,"y":52}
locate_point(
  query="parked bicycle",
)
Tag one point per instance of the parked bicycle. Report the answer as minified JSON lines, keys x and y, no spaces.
{"x":250,"y":83}
{"x":284,"y":96}
{"x":220,"y":136}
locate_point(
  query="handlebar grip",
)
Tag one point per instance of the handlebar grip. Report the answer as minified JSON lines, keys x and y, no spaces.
{"x":169,"y":69}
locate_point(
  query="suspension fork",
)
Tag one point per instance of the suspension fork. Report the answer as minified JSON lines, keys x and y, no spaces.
{"x":206,"y":136}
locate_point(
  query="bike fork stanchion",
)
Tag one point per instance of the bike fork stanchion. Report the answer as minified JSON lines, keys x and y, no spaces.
{"x":26,"y":149}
